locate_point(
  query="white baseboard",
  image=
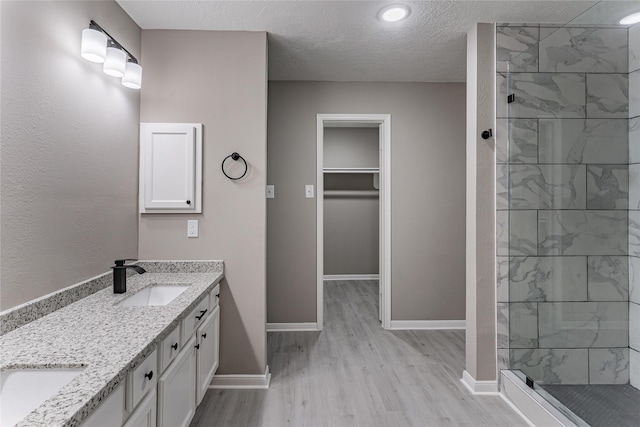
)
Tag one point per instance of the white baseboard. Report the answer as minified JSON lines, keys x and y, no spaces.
{"x":532,"y":407}
{"x":351,"y":277}
{"x":427,"y":324}
{"x":292,"y":327}
{"x":260,"y":381}
{"x":480,"y":388}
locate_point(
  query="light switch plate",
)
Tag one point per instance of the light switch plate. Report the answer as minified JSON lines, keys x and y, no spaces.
{"x":271,"y":192}
{"x":192,"y":228}
{"x":308,"y":191}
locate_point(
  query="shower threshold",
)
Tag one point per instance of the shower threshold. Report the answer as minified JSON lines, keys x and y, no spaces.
{"x":537,"y":405}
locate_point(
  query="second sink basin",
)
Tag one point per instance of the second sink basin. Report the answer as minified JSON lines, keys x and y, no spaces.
{"x":153,"y":295}
{"x":23,"y":390}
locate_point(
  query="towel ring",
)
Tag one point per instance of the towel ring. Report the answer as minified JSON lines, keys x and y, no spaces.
{"x":235,"y":156}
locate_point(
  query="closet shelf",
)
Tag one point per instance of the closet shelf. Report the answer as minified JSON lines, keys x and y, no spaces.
{"x":351,"y":193}
{"x":351,"y":170}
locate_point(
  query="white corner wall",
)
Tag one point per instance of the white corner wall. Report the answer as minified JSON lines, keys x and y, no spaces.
{"x":480,"y":208}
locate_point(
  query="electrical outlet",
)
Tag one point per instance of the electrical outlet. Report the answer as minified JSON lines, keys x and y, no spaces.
{"x":192,"y":228}
{"x":308,"y":191}
{"x":271,"y":192}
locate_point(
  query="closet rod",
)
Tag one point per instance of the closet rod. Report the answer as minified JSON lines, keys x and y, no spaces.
{"x":351,"y":170}
{"x":351,"y":193}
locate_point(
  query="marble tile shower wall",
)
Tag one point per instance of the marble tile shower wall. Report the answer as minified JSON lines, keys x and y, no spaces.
{"x":634,"y":204}
{"x":562,"y":149}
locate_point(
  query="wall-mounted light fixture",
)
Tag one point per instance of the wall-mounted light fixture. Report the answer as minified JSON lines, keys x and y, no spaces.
{"x":98,"y":46}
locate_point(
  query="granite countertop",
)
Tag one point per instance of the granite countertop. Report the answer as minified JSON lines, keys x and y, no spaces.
{"x":106,"y":340}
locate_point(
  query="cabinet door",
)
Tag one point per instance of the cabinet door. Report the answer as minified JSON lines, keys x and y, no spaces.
{"x":111,"y":412}
{"x":145,"y":414}
{"x":177,"y":389}
{"x":208,"y":352}
{"x":170,"y":167}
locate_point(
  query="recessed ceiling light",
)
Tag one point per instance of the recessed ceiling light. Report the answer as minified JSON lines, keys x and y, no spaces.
{"x":631,"y":19}
{"x":394,"y":13}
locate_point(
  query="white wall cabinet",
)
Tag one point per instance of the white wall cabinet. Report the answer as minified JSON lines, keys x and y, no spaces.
{"x":170,"y":168}
{"x":177,"y":389}
{"x":208,"y":352}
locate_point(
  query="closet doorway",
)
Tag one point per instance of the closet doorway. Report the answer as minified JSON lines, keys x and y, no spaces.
{"x":337,"y":170}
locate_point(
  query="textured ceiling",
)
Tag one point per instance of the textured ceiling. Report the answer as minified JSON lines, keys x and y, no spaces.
{"x":344,"y":40}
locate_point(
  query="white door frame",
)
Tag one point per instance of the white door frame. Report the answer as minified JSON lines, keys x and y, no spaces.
{"x":358,"y":120}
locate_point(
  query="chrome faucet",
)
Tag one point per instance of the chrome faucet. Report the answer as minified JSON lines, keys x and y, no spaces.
{"x":120,"y":275}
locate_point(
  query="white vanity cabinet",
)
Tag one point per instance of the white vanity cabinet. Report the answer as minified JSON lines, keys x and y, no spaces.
{"x":185,"y":381}
{"x":176,"y":389}
{"x":143,"y":378}
{"x":145,"y":415}
{"x":136,"y":395}
{"x":169,"y":348}
{"x":165,"y":388}
{"x":195,"y":318}
{"x":111,"y":412}
{"x":208,"y":354}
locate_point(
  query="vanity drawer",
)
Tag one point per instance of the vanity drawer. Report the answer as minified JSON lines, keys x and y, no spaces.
{"x":195,"y":318}
{"x":214,"y":298}
{"x":143,"y":378}
{"x":169,"y":348}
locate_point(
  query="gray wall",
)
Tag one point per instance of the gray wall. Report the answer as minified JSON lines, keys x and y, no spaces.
{"x":351,"y":225}
{"x":351,"y":235}
{"x":69,"y":149}
{"x":428,"y":202}
{"x":351,"y":147}
{"x":218,"y":79}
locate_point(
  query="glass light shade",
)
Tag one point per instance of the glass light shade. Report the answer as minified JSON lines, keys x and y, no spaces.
{"x":132,"y":76}
{"x":115,"y":63}
{"x":94,"y":45}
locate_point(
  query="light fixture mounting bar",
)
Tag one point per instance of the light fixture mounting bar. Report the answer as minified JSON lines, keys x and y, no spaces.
{"x":95,"y":26}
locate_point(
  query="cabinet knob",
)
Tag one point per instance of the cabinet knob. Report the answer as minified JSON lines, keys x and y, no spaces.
{"x":175,"y":346}
{"x":204,"y":335}
{"x":149,"y":375}
{"x":197,"y":346}
{"x":188,"y":202}
{"x":218,"y":295}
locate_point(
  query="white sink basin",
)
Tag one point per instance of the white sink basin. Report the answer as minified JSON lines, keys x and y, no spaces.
{"x":23,"y":390}
{"x":153,"y":295}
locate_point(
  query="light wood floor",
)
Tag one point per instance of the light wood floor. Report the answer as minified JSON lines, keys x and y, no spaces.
{"x":354,"y":373}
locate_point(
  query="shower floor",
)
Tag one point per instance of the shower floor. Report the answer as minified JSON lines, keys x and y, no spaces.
{"x":600,"y":405}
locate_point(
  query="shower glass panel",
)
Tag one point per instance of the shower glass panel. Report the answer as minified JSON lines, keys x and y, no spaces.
{"x":568,"y":211}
